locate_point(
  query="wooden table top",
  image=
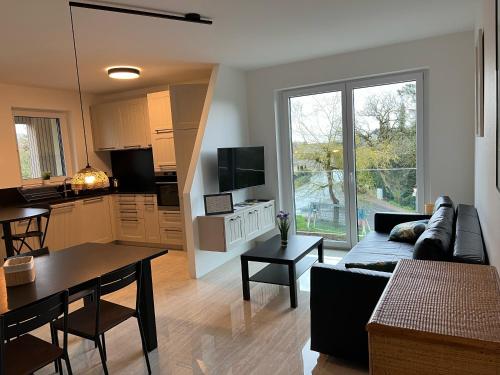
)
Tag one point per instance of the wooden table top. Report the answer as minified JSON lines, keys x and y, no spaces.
{"x":455,"y":301}
{"x":10,"y":214}
{"x":68,"y":268}
{"x":298,"y":246}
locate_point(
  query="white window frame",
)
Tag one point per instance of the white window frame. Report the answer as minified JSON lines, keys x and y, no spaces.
{"x":285,"y":167}
{"x":63,"y":124}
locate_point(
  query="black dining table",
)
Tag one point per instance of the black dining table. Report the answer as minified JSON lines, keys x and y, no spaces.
{"x":72,"y":268}
{"x":10,"y":215}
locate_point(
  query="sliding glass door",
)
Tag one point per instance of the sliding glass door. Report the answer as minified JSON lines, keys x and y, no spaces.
{"x":317,"y":145}
{"x":350,"y":150}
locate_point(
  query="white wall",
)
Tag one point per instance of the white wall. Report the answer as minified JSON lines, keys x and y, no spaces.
{"x":223,"y":124}
{"x":449,"y":104}
{"x":32,"y":98}
{"x":487,"y":199}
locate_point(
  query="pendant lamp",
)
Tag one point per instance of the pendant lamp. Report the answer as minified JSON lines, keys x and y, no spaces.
{"x":87,"y":178}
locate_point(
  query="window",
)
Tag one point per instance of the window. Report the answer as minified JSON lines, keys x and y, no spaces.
{"x":352,"y":149}
{"x":40,"y":146}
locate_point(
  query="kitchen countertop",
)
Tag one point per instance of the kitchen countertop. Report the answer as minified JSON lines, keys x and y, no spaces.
{"x":49,"y":202}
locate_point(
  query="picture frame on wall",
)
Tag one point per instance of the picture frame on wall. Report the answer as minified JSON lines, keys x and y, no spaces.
{"x":479,"y":84}
{"x":218,"y":204}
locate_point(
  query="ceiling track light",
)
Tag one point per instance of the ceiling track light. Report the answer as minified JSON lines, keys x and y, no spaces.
{"x":188,"y":17}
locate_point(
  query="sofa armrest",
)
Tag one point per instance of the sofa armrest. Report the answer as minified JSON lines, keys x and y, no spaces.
{"x":342,"y":301}
{"x":385,"y":221}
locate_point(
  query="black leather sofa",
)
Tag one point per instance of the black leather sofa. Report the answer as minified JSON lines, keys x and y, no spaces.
{"x":343,"y":299}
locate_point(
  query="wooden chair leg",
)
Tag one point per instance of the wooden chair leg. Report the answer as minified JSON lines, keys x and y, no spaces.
{"x":143,"y":341}
{"x":101,"y":353}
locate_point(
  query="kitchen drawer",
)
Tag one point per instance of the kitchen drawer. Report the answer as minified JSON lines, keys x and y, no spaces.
{"x":129,"y":210}
{"x":170,"y":219}
{"x":130,"y":198}
{"x":131,"y":229}
{"x":149,"y":199}
{"x":171,"y":236}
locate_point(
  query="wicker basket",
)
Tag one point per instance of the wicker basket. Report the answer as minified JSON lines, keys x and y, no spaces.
{"x":19,"y":271}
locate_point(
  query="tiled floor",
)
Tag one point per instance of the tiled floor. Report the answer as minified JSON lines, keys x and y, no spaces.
{"x":205,"y":327}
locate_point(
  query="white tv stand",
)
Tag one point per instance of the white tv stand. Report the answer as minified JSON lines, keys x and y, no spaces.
{"x":225,"y":232}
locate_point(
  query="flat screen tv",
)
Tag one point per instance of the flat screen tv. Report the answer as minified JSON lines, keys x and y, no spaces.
{"x":240,"y":167}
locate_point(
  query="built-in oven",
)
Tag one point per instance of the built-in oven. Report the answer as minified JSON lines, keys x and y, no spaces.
{"x":167,"y":191}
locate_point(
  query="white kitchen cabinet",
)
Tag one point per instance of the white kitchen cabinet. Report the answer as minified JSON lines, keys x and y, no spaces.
{"x":252,"y":222}
{"x":226,"y":232}
{"x":64,"y":228}
{"x":151,"y":223}
{"x":162,"y":136}
{"x":234,"y":231}
{"x":267,"y":216}
{"x":160,"y":115}
{"x":135,"y":123}
{"x":171,"y":237}
{"x":106,"y":126}
{"x":120,"y":125}
{"x":164,"y":151}
{"x":95,"y":216}
{"x":187,"y":102}
{"x":131,"y":229}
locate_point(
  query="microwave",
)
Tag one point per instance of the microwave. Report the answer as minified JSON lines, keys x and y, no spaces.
{"x":167,"y":190}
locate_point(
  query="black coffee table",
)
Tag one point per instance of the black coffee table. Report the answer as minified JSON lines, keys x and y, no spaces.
{"x":286,"y":263}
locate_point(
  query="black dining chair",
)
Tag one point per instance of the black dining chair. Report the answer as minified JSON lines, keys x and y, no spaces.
{"x":97,"y":317}
{"x":23,"y":353}
{"x":38,"y":232}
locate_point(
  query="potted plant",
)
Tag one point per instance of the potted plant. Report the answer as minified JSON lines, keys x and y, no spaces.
{"x":283,"y":219}
{"x":45,"y":177}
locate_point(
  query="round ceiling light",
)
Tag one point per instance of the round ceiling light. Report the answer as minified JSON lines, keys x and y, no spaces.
{"x":123,"y":72}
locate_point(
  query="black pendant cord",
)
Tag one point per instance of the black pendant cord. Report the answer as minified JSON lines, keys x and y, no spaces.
{"x":79,"y":87}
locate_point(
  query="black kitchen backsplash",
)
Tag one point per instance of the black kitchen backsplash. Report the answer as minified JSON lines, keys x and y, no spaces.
{"x":134,"y":170}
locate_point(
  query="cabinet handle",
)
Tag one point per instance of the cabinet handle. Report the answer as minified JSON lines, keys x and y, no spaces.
{"x":106,"y":148}
{"x":127,"y":203}
{"x":132,"y":146}
{"x":135,"y":220}
{"x":163,"y":131}
{"x":90,"y":200}
{"x":128,"y":211}
{"x":65,"y":206}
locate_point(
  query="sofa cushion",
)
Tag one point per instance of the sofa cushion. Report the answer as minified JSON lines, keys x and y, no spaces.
{"x":376,"y":247}
{"x":443,"y":201}
{"x":435,"y":242}
{"x":408,"y":232}
{"x":468,"y":247}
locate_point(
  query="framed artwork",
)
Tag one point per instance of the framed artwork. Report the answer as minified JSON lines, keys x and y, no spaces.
{"x":479,"y":86}
{"x":217,"y":204}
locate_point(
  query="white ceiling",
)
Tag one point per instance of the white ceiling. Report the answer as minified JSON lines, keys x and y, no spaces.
{"x":36,"y":46}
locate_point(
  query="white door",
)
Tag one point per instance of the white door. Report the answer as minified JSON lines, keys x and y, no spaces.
{"x":352,"y":149}
{"x":106,"y":126}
